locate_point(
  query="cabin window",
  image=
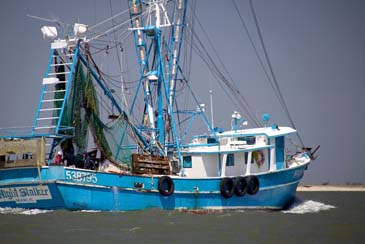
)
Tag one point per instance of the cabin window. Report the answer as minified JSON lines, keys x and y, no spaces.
{"x":187,"y":162}
{"x":211,"y":140}
{"x":230,"y":159}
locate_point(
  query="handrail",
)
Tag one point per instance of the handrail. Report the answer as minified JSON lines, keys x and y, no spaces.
{"x":27,"y":132}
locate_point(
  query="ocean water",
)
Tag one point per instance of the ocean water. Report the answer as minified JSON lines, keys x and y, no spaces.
{"x":315,"y":217}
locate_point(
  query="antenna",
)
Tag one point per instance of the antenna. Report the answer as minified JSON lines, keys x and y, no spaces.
{"x":62,"y":25}
{"x":43,"y":19}
{"x":211,"y":99}
{"x":211,"y":107}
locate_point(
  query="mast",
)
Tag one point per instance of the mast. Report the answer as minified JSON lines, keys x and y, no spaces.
{"x":158,"y":42}
{"x":175,"y":45}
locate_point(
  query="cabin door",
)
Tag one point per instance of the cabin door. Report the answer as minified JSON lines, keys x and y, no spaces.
{"x":280,"y":152}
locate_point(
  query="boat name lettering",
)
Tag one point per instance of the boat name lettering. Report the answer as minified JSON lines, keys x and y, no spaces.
{"x":81,"y":176}
{"x":25,"y":194}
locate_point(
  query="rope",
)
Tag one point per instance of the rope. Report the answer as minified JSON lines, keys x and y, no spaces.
{"x":229,"y":83}
{"x":275,"y":82}
{"x":254,"y":46}
{"x":115,"y":27}
{"x":124,"y":100}
{"x":108,"y":19}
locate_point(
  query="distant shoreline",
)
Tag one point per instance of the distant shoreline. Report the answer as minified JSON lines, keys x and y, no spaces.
{"x":352,"y":188}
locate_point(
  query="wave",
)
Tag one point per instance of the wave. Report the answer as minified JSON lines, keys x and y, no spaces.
{"x":23,"y":211}
{"x":90,"y":211}
{"x":298,"y":207}
{"x":309,"y":206}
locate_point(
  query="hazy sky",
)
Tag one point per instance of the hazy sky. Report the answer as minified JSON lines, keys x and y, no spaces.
{"x":317,"y":50}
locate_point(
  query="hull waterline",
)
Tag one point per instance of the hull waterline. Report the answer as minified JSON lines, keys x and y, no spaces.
{"x":91,"y":190}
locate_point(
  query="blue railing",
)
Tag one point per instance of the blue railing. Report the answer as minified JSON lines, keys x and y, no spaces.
{"x":27,"y":132}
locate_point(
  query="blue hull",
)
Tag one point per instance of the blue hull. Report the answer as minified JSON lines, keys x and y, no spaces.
{"x":25,"y":188}
{"x":114,"y":199}
{"x":76,"y":189}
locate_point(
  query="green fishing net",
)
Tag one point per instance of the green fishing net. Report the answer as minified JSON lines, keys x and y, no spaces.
{"x":82,"y":111}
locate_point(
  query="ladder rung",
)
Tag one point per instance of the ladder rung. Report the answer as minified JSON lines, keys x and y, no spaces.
{"x":49,"y":109}
{"x":61,"y":64}
{"x":45,"y":127}
{"x":59,"y":73}
{"x":48,"y":118}
{"x":53,"y":100}
{"x":55,"y":91}
{"x":58,"y":82}
{"x":68,"y":55}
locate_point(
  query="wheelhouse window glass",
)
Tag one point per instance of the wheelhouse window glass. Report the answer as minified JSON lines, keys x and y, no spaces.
{"x":230,"y":159}
{"x":187,"y":162}
{"x":211,"y":140}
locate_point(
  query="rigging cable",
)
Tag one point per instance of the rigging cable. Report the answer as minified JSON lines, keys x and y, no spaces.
{"x":203,"y":53}
{"x":255,"y":49}
{"x":116,"y":27}
{"x":190,"y":55}
{"x":228,"y":82}
{"x":124,"y":99}
{"x":111,"y":18}
{"x":281,"y":98}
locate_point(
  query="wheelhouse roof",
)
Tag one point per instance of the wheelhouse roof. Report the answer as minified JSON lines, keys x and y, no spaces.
{"x":267,"y":131}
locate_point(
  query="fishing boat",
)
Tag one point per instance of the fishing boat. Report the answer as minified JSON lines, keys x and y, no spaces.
{"x":143,"y":152}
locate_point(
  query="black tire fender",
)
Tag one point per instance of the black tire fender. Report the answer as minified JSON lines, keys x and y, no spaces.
{"x":227,"y":187}
{"x":166,"y":186}
{"x":240,"y":186}
{"x":253,"y":185}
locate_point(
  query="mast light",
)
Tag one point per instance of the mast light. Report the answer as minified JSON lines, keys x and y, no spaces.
{"x":80,"y":30}
{"x":49,"y":32}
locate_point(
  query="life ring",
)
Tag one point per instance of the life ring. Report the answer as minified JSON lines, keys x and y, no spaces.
{"x":259,"y":157}
{"x":227,"y":187}
{"x":166,"y":186}
{"x":253,"y":185}
{"x":240,"y":186}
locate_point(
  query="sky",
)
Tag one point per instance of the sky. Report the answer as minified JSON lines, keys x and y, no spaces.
{"x":316,"y":47}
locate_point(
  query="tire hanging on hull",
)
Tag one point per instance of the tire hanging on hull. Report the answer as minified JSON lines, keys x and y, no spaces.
{"x":227,"y":187}
{"x":240,"y":186}
{"x":166,"y":186}
{"x":253,"y":185}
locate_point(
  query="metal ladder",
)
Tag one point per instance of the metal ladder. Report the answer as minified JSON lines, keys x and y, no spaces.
{"x":55,"y":87}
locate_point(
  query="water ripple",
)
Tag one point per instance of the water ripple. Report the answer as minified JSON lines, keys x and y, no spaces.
{"x":303,"y":207}
{"x":23,"y":211}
